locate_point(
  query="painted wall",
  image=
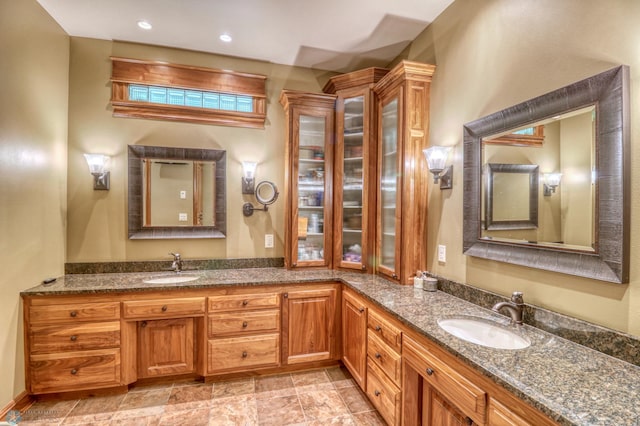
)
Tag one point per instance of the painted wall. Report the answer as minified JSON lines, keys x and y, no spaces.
{"x":34,"y":67}
{"x":97,"y":220}
{"x":496,"y":53}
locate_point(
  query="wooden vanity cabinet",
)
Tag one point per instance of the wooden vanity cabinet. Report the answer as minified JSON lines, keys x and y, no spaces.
{"x":72,"y":343}
{"x":403,"y":129}
{"x":354,"y":336}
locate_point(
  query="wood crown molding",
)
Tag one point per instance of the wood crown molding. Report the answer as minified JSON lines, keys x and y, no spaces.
{"x":358,"y":78}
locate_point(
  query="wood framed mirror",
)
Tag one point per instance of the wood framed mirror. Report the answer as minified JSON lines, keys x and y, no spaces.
{"x":176,"y":193}
{"x":605,"y":255}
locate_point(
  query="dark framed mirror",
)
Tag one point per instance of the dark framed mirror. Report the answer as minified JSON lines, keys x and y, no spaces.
{"x":510,"y":197}
{"x":176,"y":192}
{"x":605,"y":255}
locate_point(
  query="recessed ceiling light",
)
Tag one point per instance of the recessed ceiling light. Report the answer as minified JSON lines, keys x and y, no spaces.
{"x":145,"y":25}
{"x":226,"y":38}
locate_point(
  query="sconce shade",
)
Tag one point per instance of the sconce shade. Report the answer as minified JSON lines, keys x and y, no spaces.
{"x":98,"y":163}
{"x":436,"y":157}
{"x":551,"y":182}
{"x":248,"y":176}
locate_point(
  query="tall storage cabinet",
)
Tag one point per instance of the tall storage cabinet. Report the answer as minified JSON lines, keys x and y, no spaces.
{"x":308,"y":178}
{"x":403,"y":129}
{"x":355,"y":168}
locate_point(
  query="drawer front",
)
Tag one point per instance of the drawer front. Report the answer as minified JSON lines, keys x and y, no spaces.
{"x":239,"y":302}
{"x":72,"y":312}
{"x":499,"y":415}
{"x":74,"y":337}
{"x":243,"y":322}
{"x":75,"y":370}
{"x":389,"y":334}
{"x":384,"y":395}
{"x":243,"y":353}
{"x":468,"y":397}
{"x":388,"y":360}
{"x":163,"y":308}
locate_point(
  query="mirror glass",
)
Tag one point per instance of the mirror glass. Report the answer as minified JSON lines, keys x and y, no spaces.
{"x":564,"y":144}
{"x":579,"y":134}
{"x":176,"y":192}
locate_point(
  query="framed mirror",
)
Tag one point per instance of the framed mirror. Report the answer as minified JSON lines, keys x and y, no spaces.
{"x":510,"y":198}
{"x":583,"y":220}
{"x":176,"y":192}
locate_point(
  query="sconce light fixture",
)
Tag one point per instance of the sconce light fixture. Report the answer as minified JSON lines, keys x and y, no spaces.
{"x":436,"y":157}
{"x":551,"y":182}
{"x":248,"y":177}
{"x":99,"y":168}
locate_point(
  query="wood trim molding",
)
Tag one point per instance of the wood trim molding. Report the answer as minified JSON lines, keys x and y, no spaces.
{"x":21,"y":402}
{"x":359,"y":78}
{"x":127,"y":71}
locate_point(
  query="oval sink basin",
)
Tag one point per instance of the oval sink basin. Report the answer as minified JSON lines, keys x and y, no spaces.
{"x":173,"y":279}
{"x":483,"y":332}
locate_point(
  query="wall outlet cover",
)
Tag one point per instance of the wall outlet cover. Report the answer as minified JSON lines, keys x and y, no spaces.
{"x":182,"y":217}
{"x":442,"y":253}
{"x":268,"y":241}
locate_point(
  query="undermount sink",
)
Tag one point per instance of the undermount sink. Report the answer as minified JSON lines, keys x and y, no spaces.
{"x":483,"y":332}
{"x":173,"y":279}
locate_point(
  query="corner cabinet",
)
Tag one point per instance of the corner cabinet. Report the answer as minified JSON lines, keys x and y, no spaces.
{"x":403,"y":129}
{"x":355,"y":168}
{"x":308,"y":178}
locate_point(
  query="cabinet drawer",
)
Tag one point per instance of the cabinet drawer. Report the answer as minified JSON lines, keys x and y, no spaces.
{"x":237,"y":302}
{"x":468,"y":397}
{"x":75,"y":370}
{"x":163,"y":308}
{"x":243,"y":322}
{"x":389,"y":334}
{"x":384,"y":357}
{"x":72,"y":312}
{"x":74,"y":337}
{"x":243,"y":353}
{"x":384,"y":395}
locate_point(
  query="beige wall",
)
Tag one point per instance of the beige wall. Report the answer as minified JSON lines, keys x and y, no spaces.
{"x":493,"y":54}
{"x":97,"y":220}
{"x":34,"y":64}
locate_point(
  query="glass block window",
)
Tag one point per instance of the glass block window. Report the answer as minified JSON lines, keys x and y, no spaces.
{"x":190,"y":98}
{"x":527,"y":131}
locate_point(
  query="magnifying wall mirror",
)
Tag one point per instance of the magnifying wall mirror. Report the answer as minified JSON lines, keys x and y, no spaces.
{"x":579,"y":132}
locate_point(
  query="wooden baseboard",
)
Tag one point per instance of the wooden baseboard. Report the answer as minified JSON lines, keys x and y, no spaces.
{"x":20,"y":403}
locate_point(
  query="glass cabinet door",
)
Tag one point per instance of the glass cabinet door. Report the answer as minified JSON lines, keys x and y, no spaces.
{"x":311,"y":182}
{"x":350,"y":155}
{"x":389,"y":196}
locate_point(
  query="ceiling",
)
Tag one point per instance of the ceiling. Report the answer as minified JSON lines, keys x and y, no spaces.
{"x":330,"y":35}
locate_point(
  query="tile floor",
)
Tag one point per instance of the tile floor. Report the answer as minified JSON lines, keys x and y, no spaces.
{"x":317,"y":397}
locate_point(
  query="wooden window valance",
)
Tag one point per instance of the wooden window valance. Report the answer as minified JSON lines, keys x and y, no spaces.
{"x":164,"y":91}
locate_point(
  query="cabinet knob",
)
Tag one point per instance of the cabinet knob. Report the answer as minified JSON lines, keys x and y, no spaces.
{"x":73,"y":314}
{"x":361,"y":309}
{"x":285,"y":295}
{"x":469,"y":421}
{"x":376,"y":392}
{"x":164,"y":308}
{"x":74,"y":371}
{"x":245,"y":302}
{"x":364,"y":267}
{"x":378,"y":328}
{"x":394,"y":276}
{"x":378,"y":356}
{"x":244,"y":324}
{"x":143,"y":324}
{"x":294,"y":264}
{"x":429,"y":371}
{"x":244,"y":354}
{"x":74,"y":338}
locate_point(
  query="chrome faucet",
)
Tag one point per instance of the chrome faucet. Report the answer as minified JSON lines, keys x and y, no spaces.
{"x":515,"y":307}
{"x":177,"y":262}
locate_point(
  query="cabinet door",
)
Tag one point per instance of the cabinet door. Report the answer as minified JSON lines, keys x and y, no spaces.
{"x":165,"y":347}
{"x":389,"y":193}
{"x":436,"y":411}
{"x":309,"y":325}
{"x":354,"y":337}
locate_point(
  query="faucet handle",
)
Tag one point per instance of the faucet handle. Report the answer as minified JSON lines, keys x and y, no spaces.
{"x":516,"y":297}
{"x":176,"y":256}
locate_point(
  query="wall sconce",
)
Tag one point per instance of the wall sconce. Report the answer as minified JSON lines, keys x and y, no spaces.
{"x":436,"y":157}
{"x":98,"y":166}
{"x":248,"y":177}
{"x":551,"y":182}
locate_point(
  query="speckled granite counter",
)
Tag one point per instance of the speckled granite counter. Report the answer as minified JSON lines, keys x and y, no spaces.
{"x":569,"y":382}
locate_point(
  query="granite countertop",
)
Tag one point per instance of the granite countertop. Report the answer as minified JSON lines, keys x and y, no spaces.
{"x":571,"y":383}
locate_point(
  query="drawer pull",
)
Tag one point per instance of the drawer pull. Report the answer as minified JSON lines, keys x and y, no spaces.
{"x":361,"y":309}
{"x":286,"y":295}
{"x":376,"y":392}
{"x":74,"y":338}
{"x":378,"y":328}
{"x":245,"y":302}
{"x":394,"y":276}
{"x":469,"y":421}
{"x":429,"y":371}
{"x":164,"y":308}
{"x":73,"y":314}
{"x":244,"y":324}
{"x":378,"y":356}
{"x":74,"y":371}
{"x":143,"y":324}
{"x":244,"y":354}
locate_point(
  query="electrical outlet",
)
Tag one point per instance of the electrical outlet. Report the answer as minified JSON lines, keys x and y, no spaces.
{"x":268,"y":241}
{"x":182,"y":217}
{"x":183,"y":195}
{"x":442,"y":253}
